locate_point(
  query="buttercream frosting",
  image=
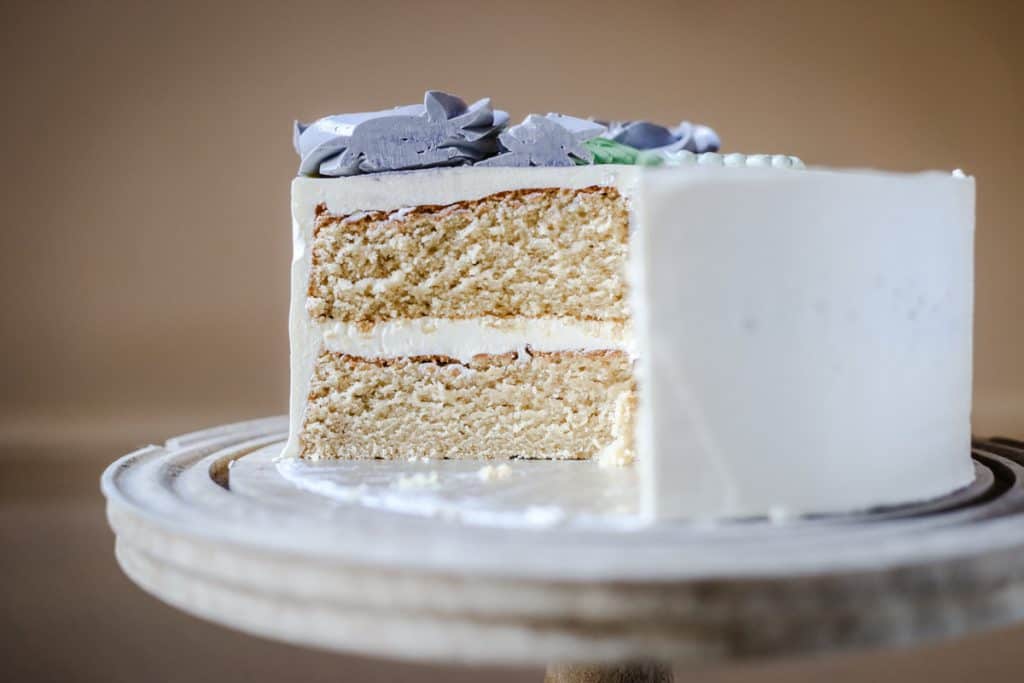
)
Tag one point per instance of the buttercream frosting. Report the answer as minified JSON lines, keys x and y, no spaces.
{"x":803,"y":339}
{"x":463,"y":339}
{"x":552,"y":140}
{"x":644,"y":135}
{"x":444,"y":131}
{"x":684,"y":157}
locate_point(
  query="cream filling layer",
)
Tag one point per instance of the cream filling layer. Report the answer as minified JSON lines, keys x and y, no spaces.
{"x":463,"y":339}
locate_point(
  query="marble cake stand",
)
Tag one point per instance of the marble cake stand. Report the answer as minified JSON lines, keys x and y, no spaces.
{"x":428,"y":561}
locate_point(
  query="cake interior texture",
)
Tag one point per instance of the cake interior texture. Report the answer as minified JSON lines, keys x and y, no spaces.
{"x":546,"y":405}
{"x":549,"y":253}
{"x":531,"y":253}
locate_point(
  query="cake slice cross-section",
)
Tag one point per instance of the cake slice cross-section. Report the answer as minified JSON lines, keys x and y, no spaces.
{"x":464,"y":313}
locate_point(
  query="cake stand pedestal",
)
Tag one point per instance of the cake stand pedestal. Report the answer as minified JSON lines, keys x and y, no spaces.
{"x":443,"y":562}
{"x":626,"y":673}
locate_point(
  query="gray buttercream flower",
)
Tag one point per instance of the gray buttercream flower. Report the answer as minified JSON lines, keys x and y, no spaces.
{"x":442,"y":131}
{"x":645,"y":135}
{"x":552,"y":140}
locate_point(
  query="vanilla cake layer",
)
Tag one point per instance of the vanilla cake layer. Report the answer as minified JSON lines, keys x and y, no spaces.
{"x":535,"y":253}
{"x":564,"y":405}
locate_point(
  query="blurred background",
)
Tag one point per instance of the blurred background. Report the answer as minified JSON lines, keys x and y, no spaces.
{"x":143,"y":268}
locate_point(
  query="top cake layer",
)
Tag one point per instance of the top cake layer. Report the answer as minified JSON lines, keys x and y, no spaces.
{"x":534,"y":253}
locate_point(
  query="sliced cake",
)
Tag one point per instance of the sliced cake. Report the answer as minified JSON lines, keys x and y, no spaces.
{"x":760,"y":338}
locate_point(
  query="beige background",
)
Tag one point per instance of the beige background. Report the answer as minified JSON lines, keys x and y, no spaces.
{"x":143,"y":264}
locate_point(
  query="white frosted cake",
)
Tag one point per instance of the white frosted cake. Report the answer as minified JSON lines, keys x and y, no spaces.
{"x":756,"y":337}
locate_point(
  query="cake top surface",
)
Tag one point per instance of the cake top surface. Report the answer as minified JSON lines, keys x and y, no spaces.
{"x":445,"y":131}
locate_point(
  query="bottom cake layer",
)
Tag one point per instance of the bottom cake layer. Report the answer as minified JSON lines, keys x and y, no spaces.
{"x":563,"y":405}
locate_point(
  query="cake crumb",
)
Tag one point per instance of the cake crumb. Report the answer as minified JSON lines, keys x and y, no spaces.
{"x":544,"y":515}
{"x":493,"y":472}
{"x":618,"y":453}
{"x":614,"y":454}
{"x":780,"y":515}
{"x":420,"y":480}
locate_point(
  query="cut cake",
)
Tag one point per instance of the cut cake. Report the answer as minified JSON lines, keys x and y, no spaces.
{"x":568,"y":289}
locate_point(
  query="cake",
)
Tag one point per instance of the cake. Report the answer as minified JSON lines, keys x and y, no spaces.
{"x":759,"y":337}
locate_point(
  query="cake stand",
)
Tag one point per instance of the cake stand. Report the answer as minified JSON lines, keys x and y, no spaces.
{"x":545,"y":563}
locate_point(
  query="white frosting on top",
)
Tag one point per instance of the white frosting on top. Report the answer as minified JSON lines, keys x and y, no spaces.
{"x":463,"y":339}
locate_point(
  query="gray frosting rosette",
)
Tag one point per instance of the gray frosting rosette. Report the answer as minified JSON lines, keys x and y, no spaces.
{"x":443,"y":131}
{"x":644,"y":135}
{"x":552,"y":140}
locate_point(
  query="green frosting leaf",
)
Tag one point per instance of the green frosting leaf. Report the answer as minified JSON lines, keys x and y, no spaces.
{"x":607,"y":151}
{"x":650,"y":157}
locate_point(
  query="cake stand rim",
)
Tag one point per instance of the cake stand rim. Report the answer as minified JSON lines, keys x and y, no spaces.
{"x":472,"y":635}
{"x":974,"y":544}
{"x":529,"y":620}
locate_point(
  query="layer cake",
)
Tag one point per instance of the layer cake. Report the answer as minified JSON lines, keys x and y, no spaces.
{"x":761,"y":338}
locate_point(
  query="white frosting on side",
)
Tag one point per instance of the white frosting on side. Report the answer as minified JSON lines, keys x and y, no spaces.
{"x":803,"y":340}
{"x":463,"y":339}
